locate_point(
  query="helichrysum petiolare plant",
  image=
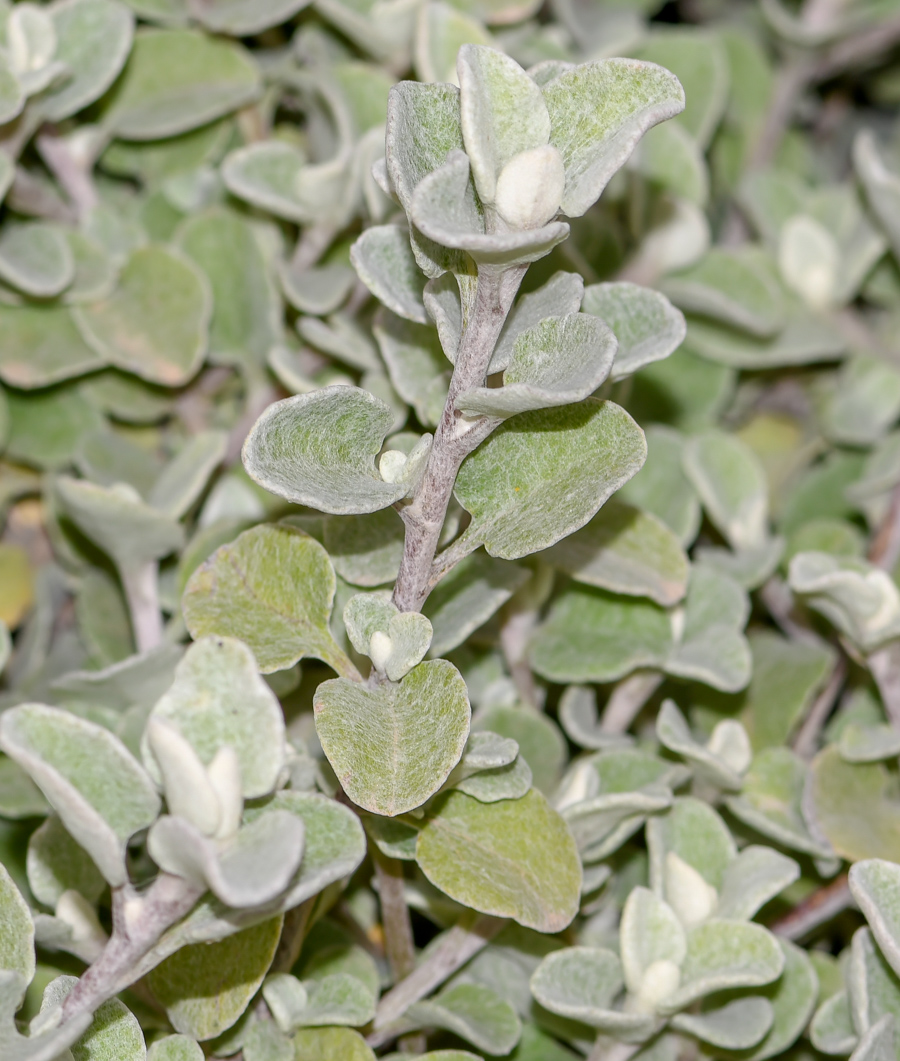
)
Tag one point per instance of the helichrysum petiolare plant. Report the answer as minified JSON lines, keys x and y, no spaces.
{"x":449,"y":490}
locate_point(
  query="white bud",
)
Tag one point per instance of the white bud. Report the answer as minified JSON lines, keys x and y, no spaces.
{"x":31,"y":37}
{"x":189,"y":792}
{"x":391,"y":465}
{"x":729,"y":741}
{"x":689,"y":895}
{"x":224,"y":773}
{"x":380,"y":649}
{"x":530,"y":187}
{"x":660,"y":980}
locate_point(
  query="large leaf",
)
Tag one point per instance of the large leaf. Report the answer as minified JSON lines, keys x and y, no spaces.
{"x":114,"y":1033}
{"x":273,"y":588}
{"x":515,"y":858}
{"x":98,"y":789}
{"x":319,"y":450}
{"x":392,"y":747}
{"x":542,"y":475}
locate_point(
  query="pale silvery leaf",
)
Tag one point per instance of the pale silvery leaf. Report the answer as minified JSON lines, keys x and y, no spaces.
{"x":877,"y":1044}
{"x":266,"y":175}
{"x":444,"y":208}
{"x":319,"y":290}
{"x":809,"y":260}
{"x":393,"y":747}
{"x":404,"y":636}
{"x":183,"y":479}
{"x":35,"y":258}
{"x":650,"y":934}
{"x":860,"y":599}
{"x":56,"y":863}
{"x":732,"y":485}
{"x":514,"y":858}
{"x":673,"y":733}
{"x":647,"y":326}
{"x":384,"y":261}
{"x":543,"y":474}
{"x":502,"y":113}
{"x":874,"y":886}
{"x":502,"y":782}
{"x":560,"y":361}
{"x":218,"y":699}
{"x":16,"y":934}
{"x":48,"y":1044}
{"x":341,"y":337}
{"x":100,"y":792}
{"x":244,"y":18}
{"x":416,"y":363}
{"x":831,"y":1029}
{"x":473,"y":1012}
{"x":737,"y":1025}
{"x":871,"y":984}
{"x":598,"y":112}
{"x":12,"y":96}
{"x":861,"y":403}
{"x":868,"y":744}
{"x":793,"y":998}
{"x":578,"y":717}
{"x":343,"y":1043}
{"x":627,"y":551}
{"x":881,"y":185}
{"x":661,"y":487}
{"x":578,"y":982}
{"x":560,"y":296}
{"x":670,"y":158}
{"x":184,"y":779}
{"x":757,"y":875}
{"x":42,"y":346}
{"x":336,"y":999}
{"x":252,"y":868}
{"x":696,"y":834}
{"x":735,"y":287}
{"x":366,"y":550}
{"x":114,"y":1033}
{"x":319,"y":450}
{"x":806,"y":338}
{"x":175,"y":1048}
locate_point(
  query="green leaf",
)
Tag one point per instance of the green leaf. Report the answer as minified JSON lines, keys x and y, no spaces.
{"x":260,"y":1041}
{"x":246,"y":317}
{"x":646,"y":325}
{"x":442,"y":30}
{"x":319,"y":450}
{"x":56,"y":864}
{"x":116,"y":519}
{"x":670,"y":158}
{"x":859,"y":598}
{"x":868,"y":744}
{"x":856,"y":806}
{"x":805,"y":339}
{"x":268,"y":175}
{"x":581,"y":983}
{"x":405,"y":636}
{"x":183,"y":479}
{"x":662,"y":488}
{"x":467,"y":597}
{"x":155,"y":322}
{"x":19,"y":795}
{"x":540,"y":741}
{"x":35,"y":258}
{"x":877,"y":1044}
{"x":698,"y":836}
{"x":542,"y":475}
{"x":732,"y":485}
{"x":474,"y":1013}
{"x":217,"y":700}
{"x":515,"y":858}
{"x":831,"y":1029}
{"x":16,"y":933}
{"x":175,"y":1048}
{"x":114,"y":1033}
{"x":93,"y":783}
{"x":338,"y":998}
{"x":385,"y":263}
{"x":598,"y":112}
{"x":331,"y":1044}
{"x":244,"y":18}
{"x":366,"y":550}
{"x":560,"y":361}
{"x":177,"y":80}
{"x":649,"y":935}
{"x":206,"y":987}
{"x":757,"y":875}
{"x":393,"y":747}
{"x":12,"y":98}
{"x":93,"y":40}
{"x":737,"y":1025}
{"x":627,"y":551}
{"x":707,"y":761}
{"x":319,"y":290}
{"x":416,"y":363}
{"x":560,"y":296}
{"x":273,"y":588}
{"x":881,"y":185}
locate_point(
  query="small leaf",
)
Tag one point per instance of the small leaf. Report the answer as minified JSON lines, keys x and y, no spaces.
{"x":98,"y":789}
{"x":647,"y":326}
{"x":42,"y":346}
{"x":177,"y":80}
{"x":114,"y":1033}
{"x":366,"y":550}
{"x":673,"y":733}
{"x":698,"y":836}
{"x":874,"y":886}
{"x":16,"y":933}
{"x":244,"y":18}
{"x":154,"y":323}
{"x":877,"y":1044}
{"x":206,"y":987}
{"x":273,"y":588}
{"x":881,"y":185}
{"x":578,"y":982}
{"x":393,"y":747}
{"x":581,"y":454}
{"x":541,"y":743}
{"x":474,"y":1013}
{"x":35,"y":258}
{"x":649,"y":934}
{"x":809,"y":261}
{"x":416,"y":363}
{"x":335,"y":999}
{"x":183,"y":479}
{"x":515,"y":858}
{"x":175,"y":1048}
{"x":831,"y":1029}
{"x":329,"y":1044}
{"x":560,"y":296}
{"x":384,"y":261}
{"x":757,"y":875}
{"x":319,"y":450}
{"x":805,"y":339}
{"x":737,"y":1025}
{"x":56,"y":864}
{"x":598,"y":112}
{"x":662,"y":488}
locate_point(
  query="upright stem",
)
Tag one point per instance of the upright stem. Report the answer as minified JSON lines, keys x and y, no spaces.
{"x":454,"y":438}
{"x":143,"y":605}
{"x":627,"y":699}
{"x":398,"y":936}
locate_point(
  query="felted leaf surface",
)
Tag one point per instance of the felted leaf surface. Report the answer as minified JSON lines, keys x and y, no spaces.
{"x":473,"y":1012}
{"x":206,"y":987}
{"x":416,"y":363}
{"x":737,"y":1025}
{"x":385,"y":263}
{"x":662,"y":488}
{"x":757,"y":875}
{"x":183,"y":479}
{"x":42,"y":346}
{"x":578,"y":982}
{"x":856,"y":806}
{"x":98,"y":789}
{"x":649,"y":932}
{"x":273,"y":588}
{"x":831,"y":1029}
{"x":881,"y":185}
{"x":872,"y":986}
{"x":598,"y":112}
{"x":674,"y":733}
{"x":177,"y":80}
{"x":242,"y":18}
{"x":625,"y":550}
{"x":218,"y":699}
{"x":542,"y":475}
{"x":647,"y":326}
{"x":93,"y":40}
{"x":515,"y":858}
{"x":56,"y":863}
{"x":695,"y":832}
{"x":319,"y":450}
{"x":175,"y":1048}
{"x":560,"y":361}
{"x":16,"y":932}
{"x":366,"y":550}
{"x":393,"y":747}
{"x":155,"y":322}
{"x":331,"y":1044}
{"x":805,"y":339}
{"x":35,"y":258}
{"x":113,"y":1034}
{"x":267,"y":175}
{"x":560,"y":296}
{"x":541,"y":742}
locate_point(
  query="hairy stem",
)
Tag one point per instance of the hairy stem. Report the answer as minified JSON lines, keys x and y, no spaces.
{"x":141,"y":593}
{"x":454,"y":438}
{"x":398,"y":936}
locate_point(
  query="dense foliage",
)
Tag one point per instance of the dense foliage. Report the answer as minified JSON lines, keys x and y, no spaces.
{"x":450,"y":508}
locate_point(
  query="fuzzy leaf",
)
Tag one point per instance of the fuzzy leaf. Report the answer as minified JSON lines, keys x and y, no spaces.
{"x":831,"y":1029}
{"x":35,"y":259}
{"x":697,"y":835}
{"x":737,"y":1025}
{"x":543,"y":474}
{"x":366,"y":550}
{"x":56,"y":864}
{"x":331,"y":1044}
{"x":319,"y":450}
{"x":175,"y":1048}
{"x":674,"y":733}
{"x":177,"y":80}
{"x":416,"y":363}
{"x":560,"y":296}
{"x":625,"y":550}
{"x":757,"y":875}
{"x":662,"y":488}
{"x":649,"y":933}
{"x":874,"y":886}
{"x":154,"y":323}
{"x":206,"y":987}
{"x":393,"y":747}
{"x":16,"y":933}
{"x":598,"y":112}
{"x":41,"y":345}
{"x":877,"y":1044}
{"x":384,"y":261}
{"x":515,"y":858}
{"x":881,"y":185}
{"x":244,"y":18}
{"x":578,"y":982}
{"x":474,"y":1013}
{"x":183,"y":479}
{"x":273,"y":588}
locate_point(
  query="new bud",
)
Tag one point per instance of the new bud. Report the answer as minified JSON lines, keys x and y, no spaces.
{"x":530,"y":187}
